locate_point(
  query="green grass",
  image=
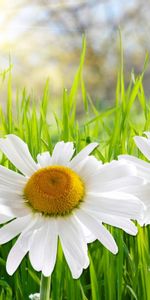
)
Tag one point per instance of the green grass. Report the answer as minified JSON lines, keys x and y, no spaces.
{"x":126,"y":275}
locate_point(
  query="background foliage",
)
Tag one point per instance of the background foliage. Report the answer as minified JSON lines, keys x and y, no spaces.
{"x":126,"y":275}
{"x":44,"y":40}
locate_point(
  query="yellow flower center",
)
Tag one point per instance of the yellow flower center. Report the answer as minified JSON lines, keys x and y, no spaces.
{"x":54,"y":190}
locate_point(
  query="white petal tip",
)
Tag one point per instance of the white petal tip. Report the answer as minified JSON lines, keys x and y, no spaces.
{"x":147,"y":133}
{"x":95,"y":144}
{"x":115,"y":251}
{"x":86,"y":264}
{"x":136,"y":137}
{"x":138,"y":140}
{"x":46,"y":274}
{"x":144,"y":222}
{"x":9,"y":271}
{"x":134,"y":233}
{"x":77,"y":274}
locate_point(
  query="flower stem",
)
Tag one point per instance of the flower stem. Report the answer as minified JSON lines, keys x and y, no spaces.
{"x":45,"y":287}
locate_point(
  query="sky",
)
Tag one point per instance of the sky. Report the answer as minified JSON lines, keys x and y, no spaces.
{"x":19,"y":18}
{"x":37,"y":44}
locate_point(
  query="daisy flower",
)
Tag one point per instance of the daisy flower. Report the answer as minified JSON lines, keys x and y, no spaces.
{"x":62,"y":196}
{"x":143,"y":171}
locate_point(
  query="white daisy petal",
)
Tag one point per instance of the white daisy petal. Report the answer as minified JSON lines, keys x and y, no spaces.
{"x":37,"y":248}
{"x":140,"y":191}
{"x":135,"y":160}
{"x":11,"y":204}
{"x":147,"y":133}
{"x":74,"y":246}
{"x":21,"y":247}
{"x":12,"y":199}
{"x":5,"y":212}
{"x":16,"y":254}
{"x":18,"y":153}
{"x":99,"y":187}
{"x":19,"y":211}
{"x":50,"y":252}
{"x":71,"y":236}
{"x":44,"y":159}
{"x":101,"y":233}
{"x":17,"y":188}
{"x":4,"y":218}
{"x":119,"y":222}
{"x":116,"y":203}
{"x":143,"y":170}
{"x":8,"y":212}
{"x":126,"y":225}
{"x":144,"y":145}
{"x":10,"y":195}
{"x":122,"y":223}
{"x":76,"y":271}
{"x":14,"y":202}
{"x":142,"y":167}
{"x":89,"y":166}
{"x":111,"y":171}
{"x":12,"y":177}
{"x":143,"y":193}
{"x":89,"y":236}
{"x":146,"y":219}
{"x":106,"y":239}
{"x":82,"y":154}
{"x":62,"y":153}
{"x":16,"y":209}
{"x":12,"y":229}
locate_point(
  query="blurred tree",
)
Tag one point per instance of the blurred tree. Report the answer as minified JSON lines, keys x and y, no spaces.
{"x":44,"y":39}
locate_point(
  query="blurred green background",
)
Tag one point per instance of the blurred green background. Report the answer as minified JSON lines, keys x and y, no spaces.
{"x":44,"y":37}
